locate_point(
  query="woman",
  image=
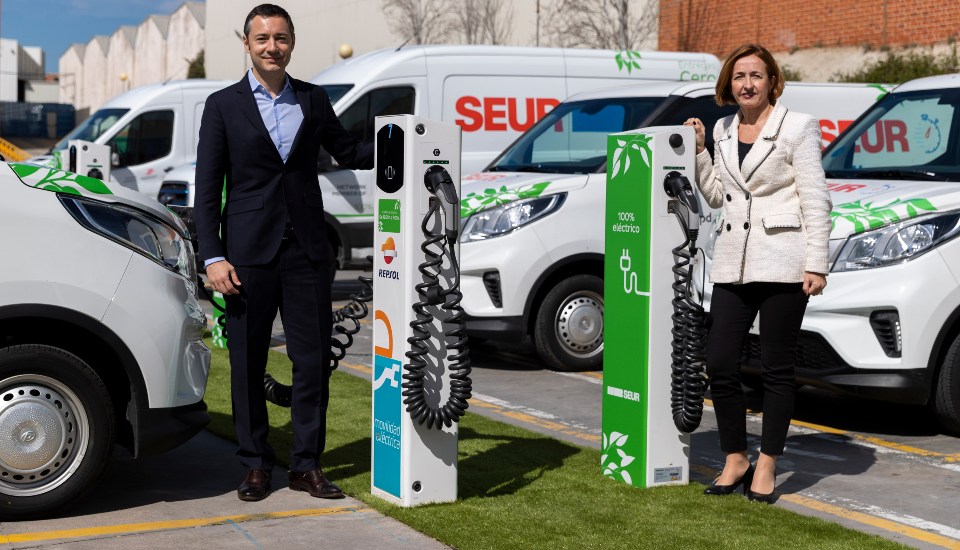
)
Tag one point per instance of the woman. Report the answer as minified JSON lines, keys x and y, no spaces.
{"x":770,"y":255}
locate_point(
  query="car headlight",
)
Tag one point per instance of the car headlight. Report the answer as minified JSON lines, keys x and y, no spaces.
{"x":897,"y":243}
{"x":509,"y":217}
{"x":138,"y":231}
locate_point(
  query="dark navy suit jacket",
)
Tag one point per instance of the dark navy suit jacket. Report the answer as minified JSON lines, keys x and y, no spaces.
{"x":263,"y":192}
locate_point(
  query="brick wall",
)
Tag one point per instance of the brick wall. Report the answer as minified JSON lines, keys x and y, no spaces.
{"x":719,"y":26}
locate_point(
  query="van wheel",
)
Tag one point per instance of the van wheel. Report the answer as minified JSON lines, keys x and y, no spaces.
{"x":56,"y":430}
{"x":946,"y":396}
{"x":568,"y":331}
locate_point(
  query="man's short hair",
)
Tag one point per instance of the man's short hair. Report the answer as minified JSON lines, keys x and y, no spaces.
{"x":266,"y":10}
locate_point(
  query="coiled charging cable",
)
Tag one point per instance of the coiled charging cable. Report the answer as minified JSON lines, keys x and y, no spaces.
{"x":688,"y":378}
{"x":435,"y":246}
{"x":346,"y":323}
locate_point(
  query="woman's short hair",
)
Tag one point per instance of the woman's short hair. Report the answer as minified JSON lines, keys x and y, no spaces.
{"x":725,"y":94}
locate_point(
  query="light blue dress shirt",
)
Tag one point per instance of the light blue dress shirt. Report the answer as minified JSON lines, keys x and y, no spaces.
{"x":282,"y":117}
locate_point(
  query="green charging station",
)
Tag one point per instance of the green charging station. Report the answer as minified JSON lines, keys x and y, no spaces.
{"x":641,"y":446}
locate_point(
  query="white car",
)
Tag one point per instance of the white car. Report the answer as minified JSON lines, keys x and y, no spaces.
{"x":532,"y":241}
{"x":100,"y":334}
{"x":888,"y":324}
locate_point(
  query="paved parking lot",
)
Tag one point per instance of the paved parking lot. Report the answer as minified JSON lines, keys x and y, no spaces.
{"x":880,"y":468}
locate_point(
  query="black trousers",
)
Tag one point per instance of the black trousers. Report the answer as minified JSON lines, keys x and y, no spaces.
{"x":300,"y":289}
{"x":734,"y":308}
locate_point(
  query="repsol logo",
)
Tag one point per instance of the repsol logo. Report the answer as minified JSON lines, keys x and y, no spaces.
{"x":499,"y":114}
{"x":388,"y":274}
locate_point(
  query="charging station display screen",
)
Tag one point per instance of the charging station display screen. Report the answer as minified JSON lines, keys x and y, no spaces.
{"x":390,"y":158}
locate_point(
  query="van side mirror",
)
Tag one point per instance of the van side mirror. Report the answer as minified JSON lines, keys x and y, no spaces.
{"x":114,"y":159}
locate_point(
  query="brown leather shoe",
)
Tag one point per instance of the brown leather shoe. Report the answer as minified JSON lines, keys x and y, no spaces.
{"x":315,"y":483}
{"x":256,"y":486}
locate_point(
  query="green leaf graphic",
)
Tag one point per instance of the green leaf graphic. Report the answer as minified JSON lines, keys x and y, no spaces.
{"x":24,"y":170}
{"x":865,"y":216}
{"x":58,"y":181}
{"x":491,"y":198}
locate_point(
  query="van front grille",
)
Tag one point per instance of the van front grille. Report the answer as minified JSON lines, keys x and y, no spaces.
{"x":812,"y":354}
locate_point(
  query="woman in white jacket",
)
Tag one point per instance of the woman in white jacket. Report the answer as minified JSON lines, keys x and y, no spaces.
{"x":770,"y":255}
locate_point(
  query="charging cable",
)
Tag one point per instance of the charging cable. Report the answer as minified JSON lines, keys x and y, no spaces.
{"x":688,"y":378}
{"x":435,"y":247}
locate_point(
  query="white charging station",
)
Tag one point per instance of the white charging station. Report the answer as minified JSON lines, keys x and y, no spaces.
{"x":641,"y":445}
{"x":88,"y":159}
{"x":413,"y":463}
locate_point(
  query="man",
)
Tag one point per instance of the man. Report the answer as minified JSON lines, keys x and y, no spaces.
{"x":268,"y":249}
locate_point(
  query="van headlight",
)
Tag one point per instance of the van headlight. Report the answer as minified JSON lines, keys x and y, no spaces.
{"x":897,"y":243}
{"x":138,"y":231}
{"x":509,"y":217}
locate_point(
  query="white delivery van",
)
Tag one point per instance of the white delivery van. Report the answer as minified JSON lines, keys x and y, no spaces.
{"x":494,"y":93}
{"x":150,"y":130}
{"x":888,"y":324}
{"x":101,"y":334}
{"x":532,"y":240}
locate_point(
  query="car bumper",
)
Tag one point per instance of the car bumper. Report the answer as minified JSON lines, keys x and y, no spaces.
{"x":496,"y":328}
{"x":159,"y":430}
{"x":818,"y":365}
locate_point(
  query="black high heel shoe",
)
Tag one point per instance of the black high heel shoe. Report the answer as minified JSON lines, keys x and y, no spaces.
{"x":745,"y":480}
{"x":766,"y":498}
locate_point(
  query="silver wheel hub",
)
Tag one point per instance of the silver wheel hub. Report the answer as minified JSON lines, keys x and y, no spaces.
{"x":580,"y":324}
{"x":43,"y":434}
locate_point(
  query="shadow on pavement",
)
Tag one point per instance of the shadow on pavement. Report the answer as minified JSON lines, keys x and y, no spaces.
{"x":852,"y":413}
{"x":203,"y":467}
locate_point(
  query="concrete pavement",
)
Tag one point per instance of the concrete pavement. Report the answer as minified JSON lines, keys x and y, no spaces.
{"x":186,"y":498}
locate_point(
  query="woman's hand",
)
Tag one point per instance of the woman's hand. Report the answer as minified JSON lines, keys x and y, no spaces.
{"x":699,"y":130}
{"x":813,"y":283}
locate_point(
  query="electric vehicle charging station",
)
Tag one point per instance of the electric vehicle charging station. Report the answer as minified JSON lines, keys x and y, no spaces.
{"x":420,"y":362}
{"x":642,"y":445}
{"x":89,"y":159}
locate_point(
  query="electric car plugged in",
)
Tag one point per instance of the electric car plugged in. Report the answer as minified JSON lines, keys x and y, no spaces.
{"x":100,"y":334}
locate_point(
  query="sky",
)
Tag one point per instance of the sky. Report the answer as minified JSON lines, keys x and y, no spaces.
{"x":56,"y":24}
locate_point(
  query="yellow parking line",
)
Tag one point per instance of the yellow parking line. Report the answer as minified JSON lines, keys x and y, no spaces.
{"x":860,"y":517}
{"x":360,"y":368}
{"x":522,"y":417}
{"x":534,"y":421}
{"x":946,"y":457}
{"x":867,"y":519}
{"x":129,"y":528}
{"x":592,"y":374}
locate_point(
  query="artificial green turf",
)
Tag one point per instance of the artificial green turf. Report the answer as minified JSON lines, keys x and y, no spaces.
{"x":519,"y":489}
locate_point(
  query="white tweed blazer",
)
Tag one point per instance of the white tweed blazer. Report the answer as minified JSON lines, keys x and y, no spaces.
{"x":775,"y":222}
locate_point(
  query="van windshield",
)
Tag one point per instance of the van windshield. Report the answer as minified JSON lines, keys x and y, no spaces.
{"x":572,"y":138}
{"x":336,"y":91}
{"x":908,"y":135}
{"x":92,"y":128}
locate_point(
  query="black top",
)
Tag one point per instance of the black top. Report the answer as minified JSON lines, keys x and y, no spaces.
{"x":744,"y":149}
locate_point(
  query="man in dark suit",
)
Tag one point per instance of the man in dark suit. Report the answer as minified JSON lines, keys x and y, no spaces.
{"x":268,"y":248}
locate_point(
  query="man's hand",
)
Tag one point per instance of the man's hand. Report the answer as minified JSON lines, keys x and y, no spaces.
{"x":223,"y":277}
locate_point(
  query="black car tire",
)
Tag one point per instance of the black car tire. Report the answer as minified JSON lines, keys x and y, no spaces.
{"x":568,"y":330}
{"x":946,"y":395}
{"x":56,"y":428}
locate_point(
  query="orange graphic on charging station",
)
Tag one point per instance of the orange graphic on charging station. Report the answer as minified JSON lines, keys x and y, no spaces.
{"x":387,"y":352}
{"x":389,"y":250}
